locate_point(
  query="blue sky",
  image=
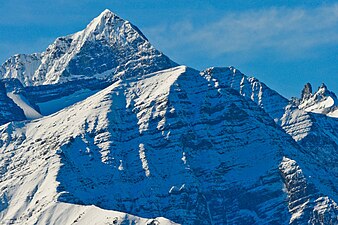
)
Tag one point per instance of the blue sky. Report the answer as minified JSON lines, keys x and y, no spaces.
{"x":283,"y":43}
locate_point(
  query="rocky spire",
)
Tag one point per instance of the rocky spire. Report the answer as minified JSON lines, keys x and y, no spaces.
{"x":323,"y":86}
{"x":323,"y":89}
{"x":307,"y":91}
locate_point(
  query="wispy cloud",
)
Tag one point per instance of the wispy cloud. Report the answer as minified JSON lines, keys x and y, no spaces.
{"x":290,"y":31}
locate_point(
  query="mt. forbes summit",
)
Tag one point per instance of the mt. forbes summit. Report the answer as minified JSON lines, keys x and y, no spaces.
{"x":102,"y":128}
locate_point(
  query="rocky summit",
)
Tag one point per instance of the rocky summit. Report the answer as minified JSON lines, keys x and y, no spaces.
{"x":102,"y":128}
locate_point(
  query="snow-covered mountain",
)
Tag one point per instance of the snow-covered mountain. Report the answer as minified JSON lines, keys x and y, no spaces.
{"x":108,"y":47}
{"x":167,"y":144}
{"x":78,"y":65}
{"x":132,"y":138}
{"x":21,"y":66}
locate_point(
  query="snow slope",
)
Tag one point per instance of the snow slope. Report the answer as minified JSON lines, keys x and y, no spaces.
{"x":334,"y":113}
{"x":24,"y":104}
{"x":166,"y":144}
{"x":64,"y":213}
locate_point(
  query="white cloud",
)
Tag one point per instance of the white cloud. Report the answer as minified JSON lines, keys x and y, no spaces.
{"x":293,"y":31}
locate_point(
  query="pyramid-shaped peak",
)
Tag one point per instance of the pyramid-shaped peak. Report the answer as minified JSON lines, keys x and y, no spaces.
{"x":106,"y":14}
{"x":108,"y":46}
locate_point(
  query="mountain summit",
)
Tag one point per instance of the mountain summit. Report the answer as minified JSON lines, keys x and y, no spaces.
{"x":108,"y":48}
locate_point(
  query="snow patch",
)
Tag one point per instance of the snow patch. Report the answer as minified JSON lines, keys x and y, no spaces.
{"x":144,"y":159}
{"x":24,"y":104}
{"x":121,"y":166}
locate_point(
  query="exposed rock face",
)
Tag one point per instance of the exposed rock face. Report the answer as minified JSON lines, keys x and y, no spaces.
{"x":45,"y":93}
{"x":318,"y":135}
{"x":250,"y":87}
{"x":310,"y":121}
{"x":306,"y":92}
{"x":306,"y":205}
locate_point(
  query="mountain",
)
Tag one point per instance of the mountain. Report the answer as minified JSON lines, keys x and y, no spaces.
{"x":109,"y":47}
{"x":117,"y":133}
{"x":21,"y":66}
{"x":167,"y":144}
{"x":17,"y":92}
{"x":81,"y":64}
